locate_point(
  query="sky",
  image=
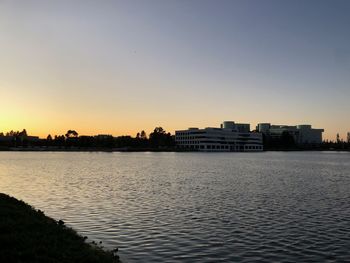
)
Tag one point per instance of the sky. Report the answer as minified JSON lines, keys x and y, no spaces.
{"x":119,"y":67}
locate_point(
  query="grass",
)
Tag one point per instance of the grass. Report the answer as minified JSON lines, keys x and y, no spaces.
{"x":27,"y":235}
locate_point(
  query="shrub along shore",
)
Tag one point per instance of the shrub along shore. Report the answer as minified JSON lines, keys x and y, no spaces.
{"x":27,"y":235}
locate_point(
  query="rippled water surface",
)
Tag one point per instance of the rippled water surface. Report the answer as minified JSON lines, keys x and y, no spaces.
{"x":184,"y":207}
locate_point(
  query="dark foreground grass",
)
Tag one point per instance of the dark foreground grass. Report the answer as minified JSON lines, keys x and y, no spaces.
{"x":27,"y":235}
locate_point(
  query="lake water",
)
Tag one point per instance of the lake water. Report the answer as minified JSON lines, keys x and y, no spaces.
{"x":186,"y":207}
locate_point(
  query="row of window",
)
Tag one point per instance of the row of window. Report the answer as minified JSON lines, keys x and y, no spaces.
{"x":188,"y":137}
{"x":219,"y":142}
{"x":223,"y":147}
{"x":178,"y":138}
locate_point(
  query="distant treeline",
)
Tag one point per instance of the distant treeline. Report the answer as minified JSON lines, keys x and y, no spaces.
{"x":287,"y":142}
{"x":158,"y":139}
{"x":338,"y":144}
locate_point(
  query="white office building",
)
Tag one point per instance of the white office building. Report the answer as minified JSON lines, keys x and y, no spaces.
{"x":230,"y":137}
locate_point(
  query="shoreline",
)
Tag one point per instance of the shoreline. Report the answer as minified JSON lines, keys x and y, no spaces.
{"x":52,"y":149}
{"x":28,"y":235}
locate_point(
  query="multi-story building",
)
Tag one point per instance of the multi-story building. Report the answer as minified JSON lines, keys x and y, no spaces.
{"x":302,"y":134}
{"x":231,"y":136}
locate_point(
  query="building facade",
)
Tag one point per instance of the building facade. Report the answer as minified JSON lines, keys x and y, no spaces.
{"x":230,"y":137}
{"x":302,"y":134}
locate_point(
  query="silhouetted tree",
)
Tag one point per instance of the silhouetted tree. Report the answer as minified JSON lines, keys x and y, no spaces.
{"x":71,"y":138}
{"x":71,"y":133}
{"x":59,"y":140}
{"x":23,"y":133}
{"x":49,"y":140}
{"x":143,"y":135}
{"x":11,"y":133}
{"x":140,"y":140}
{"x":338,"y":138}
{"x":159,"y":138}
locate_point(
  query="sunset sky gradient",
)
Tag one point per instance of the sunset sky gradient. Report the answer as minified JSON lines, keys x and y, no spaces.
{"x":118,"y":67}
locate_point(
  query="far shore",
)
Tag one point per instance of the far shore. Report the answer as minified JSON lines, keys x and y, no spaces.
{"x":129,"y":149}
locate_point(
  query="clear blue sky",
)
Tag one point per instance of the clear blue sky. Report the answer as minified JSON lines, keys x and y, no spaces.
{"x":121,"y":66}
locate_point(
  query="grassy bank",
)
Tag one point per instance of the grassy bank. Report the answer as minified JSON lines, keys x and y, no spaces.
{"x":27,"y":235}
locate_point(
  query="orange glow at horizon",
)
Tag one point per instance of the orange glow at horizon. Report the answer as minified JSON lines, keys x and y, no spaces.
{"x":119,"y":128}
{"x":40,"y":117}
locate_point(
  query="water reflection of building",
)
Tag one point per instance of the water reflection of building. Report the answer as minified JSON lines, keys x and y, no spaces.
{"x":302,"y":134}
{"x":230,"y":136}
